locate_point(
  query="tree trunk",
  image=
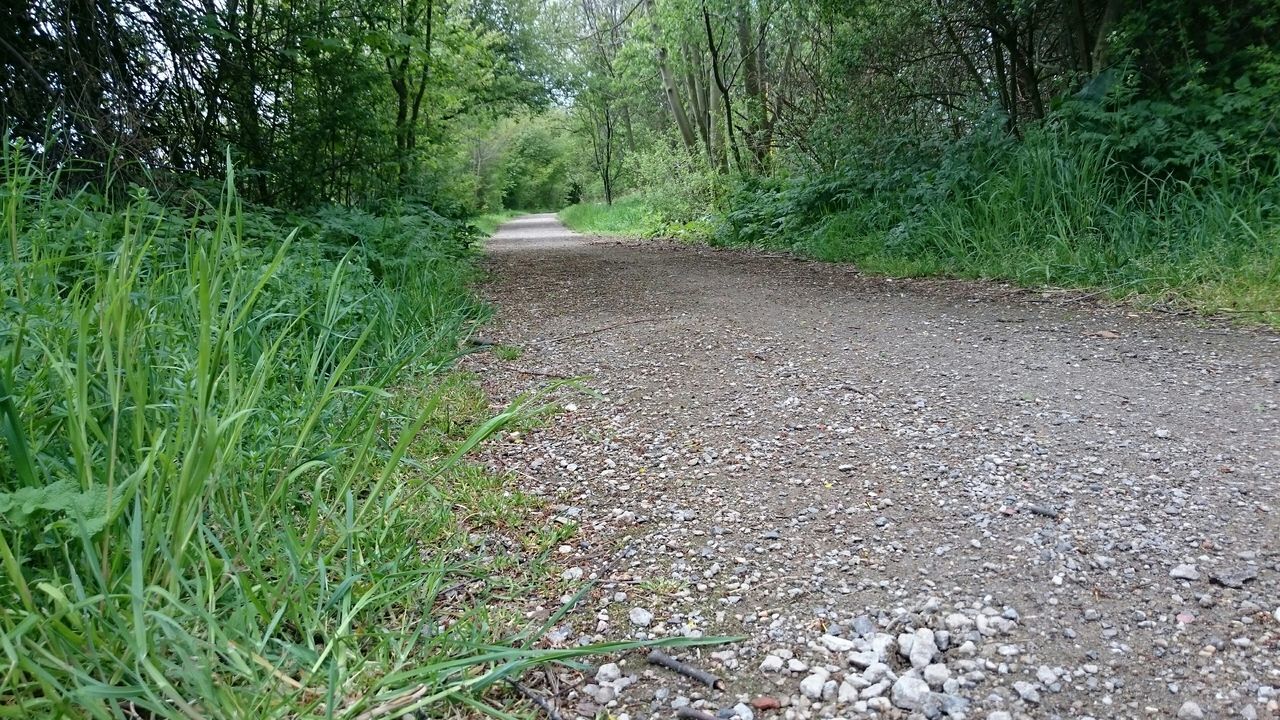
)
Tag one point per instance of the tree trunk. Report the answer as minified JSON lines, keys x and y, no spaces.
{"x":1080,"y":38}
{"x":608,"y":157}
{"x":696,"y":98}
{"x":751,"y":79}
{"x":1111,"y":14}
{"x":725,"y":99}
{"x":626,"y":121}
{"x":1007,"y":97}
{"x":426,"y":74}
{"x":715,"y":144}
{"x":669,"y":87}
{"x":969,"y":65}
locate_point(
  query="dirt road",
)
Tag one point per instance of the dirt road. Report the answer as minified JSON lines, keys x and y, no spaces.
{"x":914,"y":498}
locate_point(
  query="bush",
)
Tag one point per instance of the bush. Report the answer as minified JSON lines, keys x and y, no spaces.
{"x":212,"y":505}
{"x":229,"y":458}
{"x":627,"y":217}
{"x":1058,"y":207}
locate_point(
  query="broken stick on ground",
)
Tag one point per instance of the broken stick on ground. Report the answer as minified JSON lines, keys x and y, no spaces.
{"x":657,"y":657}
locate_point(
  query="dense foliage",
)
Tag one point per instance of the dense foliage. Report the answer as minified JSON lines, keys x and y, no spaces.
{"x":1133,"y":145}
{"x":231,"y":441}
{"x":347,"y":101}
{"x":192,"y":403}
{"x":230,"y":448}
{"x":232,"y":464}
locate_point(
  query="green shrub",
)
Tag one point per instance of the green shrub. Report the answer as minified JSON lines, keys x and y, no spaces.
{"x":627,"y":217}
{"x":228,"y":462}
{"x":1053,"y":208}
{"x":205,"y":505}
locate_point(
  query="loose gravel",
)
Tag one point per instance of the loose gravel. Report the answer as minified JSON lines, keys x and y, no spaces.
{"x":914,"y":499}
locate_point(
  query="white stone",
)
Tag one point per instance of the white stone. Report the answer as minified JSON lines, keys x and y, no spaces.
{"x":640,"y":617}
{"x":857,"y":681}
{"x":603,"y":694}
{"x":875,"y":690}
{"x":958,"y":622}
{"x":847,"y":694}
{"x":811,"y":686}
{"x":863,"y":660}
{"x":608,"y":673}
{"x":797,"y":666}
{"x":905,"y":641}
{"x":910,"y":693}
{"x":877,"y":672}
{"x":1027,"y":691}
{"x":936,"y":674}
{"x":879,"y":704}
{"x":725,"y":657}
{"x":1185,"y":571}
{"x":922,"y":648}
{"x":836,"y":644}
{"x":771,"y":663}
{"x":1190,"y":711}
{"x":884,"y":644}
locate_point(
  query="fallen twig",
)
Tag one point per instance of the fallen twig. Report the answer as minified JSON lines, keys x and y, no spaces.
{"x":602,"y":329}
{"x":537,"y":699}
{"x":657,"y":657}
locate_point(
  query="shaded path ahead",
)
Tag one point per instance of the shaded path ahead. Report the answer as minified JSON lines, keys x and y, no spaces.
{"x":1082,"y":500}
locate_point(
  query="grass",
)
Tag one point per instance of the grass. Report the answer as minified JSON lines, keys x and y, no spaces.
{"x":508,"y":353}
{"x":1212,"y":249}
{"x":627,"y":217}
{"x":489,"y":223}
{"x":232,"y":465}
{"x":1041,"y":214}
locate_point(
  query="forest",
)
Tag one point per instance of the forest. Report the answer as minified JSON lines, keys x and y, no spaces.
{"x":241,"y":243}
{"x":1126,"y":146}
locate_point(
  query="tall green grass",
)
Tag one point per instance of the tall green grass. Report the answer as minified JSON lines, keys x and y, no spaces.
{"x":489,"y":223}
{"x":215,"y":501}
{"x":626,"y":217}
{"x":1046,"y":211}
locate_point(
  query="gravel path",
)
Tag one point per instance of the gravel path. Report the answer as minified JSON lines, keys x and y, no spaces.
{"x":913,"y":498}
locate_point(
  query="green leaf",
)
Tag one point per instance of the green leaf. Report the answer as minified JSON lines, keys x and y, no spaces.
{"x":64,"y":498}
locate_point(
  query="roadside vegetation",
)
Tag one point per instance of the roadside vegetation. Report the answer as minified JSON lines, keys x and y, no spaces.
{"x":488,"y":223}
{"x":1131,"y":148}
{"x":237,"y":244}
{"x":233,"y":430}
{"x":631,"y":216}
